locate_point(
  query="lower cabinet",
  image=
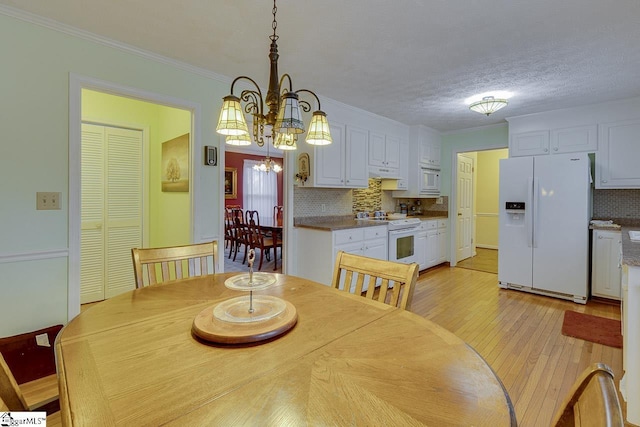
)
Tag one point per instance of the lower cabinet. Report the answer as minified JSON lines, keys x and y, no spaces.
{"x":606,"y":264}
{"x":318,"y":249}
{"x":432,"y":243}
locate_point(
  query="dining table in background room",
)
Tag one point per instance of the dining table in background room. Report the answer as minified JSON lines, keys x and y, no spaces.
{"x":133,"y":360}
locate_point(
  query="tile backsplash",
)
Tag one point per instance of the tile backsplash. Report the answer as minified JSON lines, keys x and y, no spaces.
{"x":616,"y":204}
{"x":321,"y":202}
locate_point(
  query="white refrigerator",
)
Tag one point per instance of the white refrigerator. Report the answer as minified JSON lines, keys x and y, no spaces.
{"x":545,"y":209}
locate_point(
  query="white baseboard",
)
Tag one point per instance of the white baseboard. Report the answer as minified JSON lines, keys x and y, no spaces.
{"x":487,"y":247}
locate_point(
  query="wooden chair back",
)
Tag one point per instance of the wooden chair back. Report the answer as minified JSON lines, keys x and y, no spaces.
{"x":592,"y":401}
{"x":386,"y":281}
{"x":3,"y":406}
{"x":10,"y":392}
{"x":278,"y":215}
{"x":156,"y":265}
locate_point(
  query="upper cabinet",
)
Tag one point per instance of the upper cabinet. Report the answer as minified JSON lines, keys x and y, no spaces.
{"x":342,"y":164}
{"x":554,"y":141}
{"x":618,"y":156}
{"x":529,"y":143}
{"x":423,"y":155}
{"x":384,"y":150}
{"x":574,"y":139}
{"x":430,"y":147}
{"x":611,"y":130}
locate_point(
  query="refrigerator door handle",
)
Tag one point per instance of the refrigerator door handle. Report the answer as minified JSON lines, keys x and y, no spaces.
{"x":536,"y":202}
{"x":528,"y":216}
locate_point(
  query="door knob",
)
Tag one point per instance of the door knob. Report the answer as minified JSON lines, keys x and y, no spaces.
{"x":459,"y":214}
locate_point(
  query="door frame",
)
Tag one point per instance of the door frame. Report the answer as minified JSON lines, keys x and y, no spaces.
{"x":76,"y":84}
{"x":453,"y":199}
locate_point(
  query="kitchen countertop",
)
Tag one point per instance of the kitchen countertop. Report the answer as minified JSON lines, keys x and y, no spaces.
{"x":630,"y":250}
{"x":342,"y":222}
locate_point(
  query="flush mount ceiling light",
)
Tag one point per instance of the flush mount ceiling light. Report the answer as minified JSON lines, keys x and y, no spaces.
{"x":284,"y":113}
{"x":488,"y":105}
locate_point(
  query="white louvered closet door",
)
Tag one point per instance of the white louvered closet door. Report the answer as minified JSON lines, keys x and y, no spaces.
{"x":111,"y":210}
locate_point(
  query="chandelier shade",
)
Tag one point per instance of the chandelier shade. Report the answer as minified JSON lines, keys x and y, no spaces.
{"x":488,"y":105}
{"x":231,"y":120}
{"x":280,"y":108}
{"x":319,"y":133}
{"x":286,"y":141}
{"x":289,"y":116}
{"x":238,"y":140}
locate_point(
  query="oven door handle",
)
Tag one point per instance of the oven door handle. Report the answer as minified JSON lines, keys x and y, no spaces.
{"x":407,"y":231}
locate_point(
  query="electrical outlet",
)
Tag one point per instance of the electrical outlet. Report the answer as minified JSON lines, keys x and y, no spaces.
{"x":324,"y":207}
{"x":48,"y":201}
{"x":439,"y":201}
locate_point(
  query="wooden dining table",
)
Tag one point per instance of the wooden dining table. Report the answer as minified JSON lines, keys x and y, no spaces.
{"x":133,"y":360}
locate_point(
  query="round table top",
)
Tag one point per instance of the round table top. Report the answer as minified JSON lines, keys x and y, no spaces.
{"x":133,"y":359}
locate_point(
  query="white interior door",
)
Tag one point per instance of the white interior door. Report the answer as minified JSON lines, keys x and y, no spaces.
{"x":111,"y":210}
{"x":465,"y":207}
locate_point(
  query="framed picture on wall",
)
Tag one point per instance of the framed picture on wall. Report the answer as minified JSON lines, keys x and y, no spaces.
{"x":230,"y":183}
{"x":175,"y":164}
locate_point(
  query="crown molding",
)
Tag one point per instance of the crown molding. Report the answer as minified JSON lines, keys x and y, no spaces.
{"x":94,"y":38}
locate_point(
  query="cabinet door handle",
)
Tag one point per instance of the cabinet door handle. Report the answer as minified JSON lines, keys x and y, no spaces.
{"x":555,"y":148}
{"x":546,"y":150}
{"x":599,"y":237}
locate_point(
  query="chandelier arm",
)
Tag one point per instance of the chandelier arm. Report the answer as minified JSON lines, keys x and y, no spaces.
{"x":252,"y":81}
{"x":312,"y":93}
{"x":306,"y":107}
{"x":288,"y":78}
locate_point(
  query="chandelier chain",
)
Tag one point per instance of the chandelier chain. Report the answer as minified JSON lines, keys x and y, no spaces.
{"x":274,"y":24}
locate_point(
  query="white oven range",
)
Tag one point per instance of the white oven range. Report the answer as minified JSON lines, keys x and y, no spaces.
{"x":403,"y":239}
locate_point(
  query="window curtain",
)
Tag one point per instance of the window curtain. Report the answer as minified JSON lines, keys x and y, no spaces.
{"x":260,"y":191}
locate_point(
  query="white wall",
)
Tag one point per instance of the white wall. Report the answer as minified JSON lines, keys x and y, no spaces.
{"x":34,"y":153}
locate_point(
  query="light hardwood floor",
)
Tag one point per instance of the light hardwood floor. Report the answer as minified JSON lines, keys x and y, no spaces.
{"x":484,"y":260}
{"x":517,"y":333}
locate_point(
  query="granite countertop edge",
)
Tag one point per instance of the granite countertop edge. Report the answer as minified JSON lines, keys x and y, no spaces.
{"x":331,"y":223}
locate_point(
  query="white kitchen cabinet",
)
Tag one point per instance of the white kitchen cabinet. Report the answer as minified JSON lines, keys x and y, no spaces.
{"x":430,"y":148}
{"x":433,"y":249}
{"x":606,"y":264}
{"x":574,"y":139}
{"x":529,"y":143}
{"x":618,"y":155}
{"x":443,"y":241}
{"x":384,"y":150}
{"x":424,"y":153}
{"x":421,"y":246}
{"x":318,"y":248}
{"x":403,"y":182}
{"x":343,"y":163}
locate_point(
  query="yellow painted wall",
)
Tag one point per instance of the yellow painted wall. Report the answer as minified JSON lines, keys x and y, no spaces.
{"x":168,"y":215}
{"x":488,"y":179}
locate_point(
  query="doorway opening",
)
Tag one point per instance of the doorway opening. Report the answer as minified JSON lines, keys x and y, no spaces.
{"x":476,"y":206}
{"x":130,"y":206}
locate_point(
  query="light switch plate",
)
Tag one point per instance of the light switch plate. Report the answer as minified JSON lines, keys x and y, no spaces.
{"x":48,"y":200}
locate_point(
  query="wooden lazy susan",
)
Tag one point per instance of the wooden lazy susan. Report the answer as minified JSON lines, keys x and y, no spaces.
{"x":246,"y":319}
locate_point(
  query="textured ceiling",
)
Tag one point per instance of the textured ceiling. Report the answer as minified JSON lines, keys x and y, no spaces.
{"x":410,"y":60}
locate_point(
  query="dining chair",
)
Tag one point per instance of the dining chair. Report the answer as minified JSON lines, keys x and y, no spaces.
{"x":229,"y":232}
{"x":278,"y":215}
{"x":157,"y":265}
{"x":386,"y":281}
{"x":256,"y":238}
{"x":239,"y":234}
{"x":592,"y":401}
{"x":13,"y":399}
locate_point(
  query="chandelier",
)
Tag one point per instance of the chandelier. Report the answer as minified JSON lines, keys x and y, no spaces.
{"x":267,"y":164}
{"x":284,"y":115}
{"x":488,"y":105}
